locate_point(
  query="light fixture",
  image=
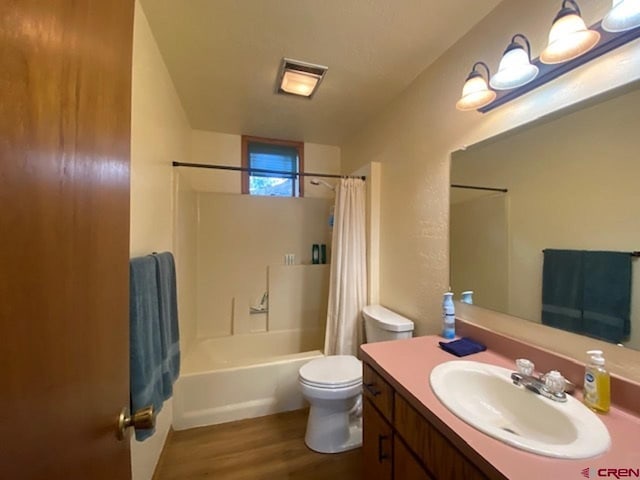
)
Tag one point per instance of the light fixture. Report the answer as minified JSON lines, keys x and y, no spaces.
{"x":571,"y":44}
{"x":476,"y":93}
{"x":299,"y":78}
{"x":569,"y":37}
{"x":515,"y":68}
{"x":624,"y":15}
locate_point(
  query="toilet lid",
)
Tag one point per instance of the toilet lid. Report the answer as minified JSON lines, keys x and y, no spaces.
{"x":332,"y":371}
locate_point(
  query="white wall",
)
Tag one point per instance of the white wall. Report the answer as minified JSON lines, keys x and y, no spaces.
{"x":159,"y":135}
{"x":414,"y":136}
{"x":185,"y":251}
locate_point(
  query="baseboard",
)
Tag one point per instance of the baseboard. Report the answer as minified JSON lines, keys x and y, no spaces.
{"x":238,"y":411}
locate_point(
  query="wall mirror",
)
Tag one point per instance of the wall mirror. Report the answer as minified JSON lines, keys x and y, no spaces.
{"x":572,"y":181}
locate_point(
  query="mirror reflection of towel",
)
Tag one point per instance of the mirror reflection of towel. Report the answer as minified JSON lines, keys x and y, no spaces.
{"x":587,"y":292}
{"x":607,"y":295}
{"x":562,"y":282}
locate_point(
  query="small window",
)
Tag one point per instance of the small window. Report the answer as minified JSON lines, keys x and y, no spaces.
{"x":281,"y":158}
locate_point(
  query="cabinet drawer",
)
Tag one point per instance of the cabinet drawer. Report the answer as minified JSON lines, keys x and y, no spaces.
{"x":378,"y":391}
{"x":438,"y":454}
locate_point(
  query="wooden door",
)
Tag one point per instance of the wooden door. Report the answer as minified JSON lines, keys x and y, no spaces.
{"x":65,"y":86}
{"x":377,"y":444}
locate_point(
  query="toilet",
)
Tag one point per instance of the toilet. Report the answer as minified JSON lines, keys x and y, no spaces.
{"x":333,"y":386}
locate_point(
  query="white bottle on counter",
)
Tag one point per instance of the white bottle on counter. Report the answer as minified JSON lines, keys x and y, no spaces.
{"x":448,"y":316}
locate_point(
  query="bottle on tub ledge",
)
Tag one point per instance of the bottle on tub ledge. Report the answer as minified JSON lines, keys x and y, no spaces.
{"x":448,"y":316}
{"x":315,"y":254}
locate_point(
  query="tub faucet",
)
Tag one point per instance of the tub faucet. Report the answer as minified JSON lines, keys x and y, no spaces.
{"x":550,"y":386}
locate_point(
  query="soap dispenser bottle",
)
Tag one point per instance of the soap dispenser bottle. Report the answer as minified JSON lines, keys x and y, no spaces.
{"x":448,"y":316}
{"x":597,"y":385}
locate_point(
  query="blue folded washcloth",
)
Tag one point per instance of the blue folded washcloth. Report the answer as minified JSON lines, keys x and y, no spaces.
{"x":463,"y":347}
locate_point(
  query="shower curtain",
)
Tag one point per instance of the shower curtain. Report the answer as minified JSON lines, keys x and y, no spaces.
{"x":348,"y":278}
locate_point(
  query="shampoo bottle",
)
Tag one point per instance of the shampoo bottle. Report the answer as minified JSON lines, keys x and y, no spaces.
{"x":448,"y":316}
{"x":597,"y":389}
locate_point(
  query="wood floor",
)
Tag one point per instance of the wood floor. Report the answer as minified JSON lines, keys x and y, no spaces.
{"x":261,"y":448}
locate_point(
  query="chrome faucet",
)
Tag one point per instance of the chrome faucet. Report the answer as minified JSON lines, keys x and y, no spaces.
{"x":550,"y":386}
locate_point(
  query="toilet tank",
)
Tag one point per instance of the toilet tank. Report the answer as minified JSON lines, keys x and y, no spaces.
{"x":382,"y":324}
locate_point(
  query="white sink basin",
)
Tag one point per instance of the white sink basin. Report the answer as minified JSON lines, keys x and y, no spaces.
{"x":485,"y":397}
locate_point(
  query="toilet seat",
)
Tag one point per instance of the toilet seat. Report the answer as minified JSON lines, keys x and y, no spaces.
{"x":332,"y":372}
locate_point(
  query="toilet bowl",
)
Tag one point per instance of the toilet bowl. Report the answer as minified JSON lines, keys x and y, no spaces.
{"x":333,"y":386}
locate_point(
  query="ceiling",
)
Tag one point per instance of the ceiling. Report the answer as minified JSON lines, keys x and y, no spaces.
{"x":224,"y":55}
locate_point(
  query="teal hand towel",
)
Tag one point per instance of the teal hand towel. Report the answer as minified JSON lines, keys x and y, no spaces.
{"x":607,"y":295}
{"x":562,"y":289}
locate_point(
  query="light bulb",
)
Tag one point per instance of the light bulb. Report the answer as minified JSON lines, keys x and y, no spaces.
{"x":624,"y":15}
{"x":569,"y":37}
{"x":515,"y":69}
{"x":475,"y":93}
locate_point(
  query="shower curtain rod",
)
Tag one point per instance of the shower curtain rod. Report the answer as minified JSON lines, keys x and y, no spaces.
{"x":260,"y":170}
{"x":473,"y":187}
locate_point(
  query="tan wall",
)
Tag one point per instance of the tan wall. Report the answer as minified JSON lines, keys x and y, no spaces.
{"x":225,"y":149}
{"x":573,"y":184}
{"x":239,"y":236}
{"x":415,"y":135}
{"x":480,"y":249}
{"x":159,"y":135}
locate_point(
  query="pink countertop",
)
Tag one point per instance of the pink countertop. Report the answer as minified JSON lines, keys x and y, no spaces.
{"x":407,"y":364}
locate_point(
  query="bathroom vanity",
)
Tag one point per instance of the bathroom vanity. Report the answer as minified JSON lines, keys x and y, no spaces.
{"x":408,"y":434}
{"x":398,"y":440}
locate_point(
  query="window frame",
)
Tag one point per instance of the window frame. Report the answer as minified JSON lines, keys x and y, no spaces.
{"x":299,"y":146}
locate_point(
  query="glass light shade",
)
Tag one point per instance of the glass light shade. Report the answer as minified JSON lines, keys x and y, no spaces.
{"x":514,"y":70}
{"x":624,"y":15}
{"x":298,"y":83}
{"x":568,"y":38}
{"x":475,"y":94}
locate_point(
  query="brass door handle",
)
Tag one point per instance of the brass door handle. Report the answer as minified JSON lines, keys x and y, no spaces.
{"x":142,"y":419}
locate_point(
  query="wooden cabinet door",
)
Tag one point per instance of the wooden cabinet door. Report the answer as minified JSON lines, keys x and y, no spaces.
{"x":377,"y":444}
{"x":65,"y":82}
{"x":405,"y":466}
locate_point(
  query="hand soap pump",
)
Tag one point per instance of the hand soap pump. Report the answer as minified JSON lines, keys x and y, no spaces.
{"x":448,"y":316}
{"x":597,"y":389}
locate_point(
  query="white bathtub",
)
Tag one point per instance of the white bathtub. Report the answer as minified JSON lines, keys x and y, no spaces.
{"x":242,"y":376}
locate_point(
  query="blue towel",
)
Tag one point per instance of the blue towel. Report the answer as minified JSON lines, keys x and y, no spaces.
{"x":462,"y":347}
{"x":562,"y":289}
{"x":169,"y":334}
{"x":145,"y":352}
{"x":607,"y":295}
